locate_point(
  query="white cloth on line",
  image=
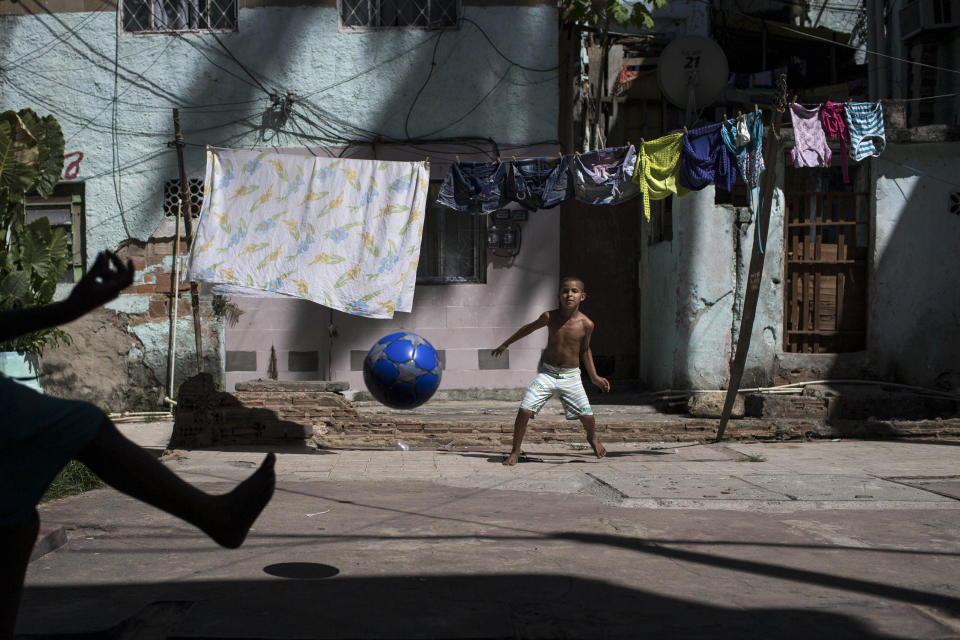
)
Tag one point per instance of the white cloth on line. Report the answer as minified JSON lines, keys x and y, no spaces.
{"x":342,"y":233}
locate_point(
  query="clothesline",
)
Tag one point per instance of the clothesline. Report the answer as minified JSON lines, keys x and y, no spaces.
{"x":673,"y":164}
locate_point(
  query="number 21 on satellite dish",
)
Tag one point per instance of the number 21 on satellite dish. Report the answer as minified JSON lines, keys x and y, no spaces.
{"x":692,"y":72}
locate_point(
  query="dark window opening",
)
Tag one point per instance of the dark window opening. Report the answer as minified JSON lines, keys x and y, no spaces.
{"x":453,"y":249}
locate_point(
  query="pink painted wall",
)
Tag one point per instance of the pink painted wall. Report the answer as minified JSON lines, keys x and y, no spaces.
{"x":459,"y":319}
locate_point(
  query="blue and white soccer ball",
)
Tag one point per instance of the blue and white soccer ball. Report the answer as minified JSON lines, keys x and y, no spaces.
{"x":402,"y":370}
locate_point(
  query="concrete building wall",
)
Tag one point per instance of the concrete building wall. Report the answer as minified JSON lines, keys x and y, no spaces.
{"x":114,"y":94}
{"x":914,"y":302}
{"x":692,"y":296}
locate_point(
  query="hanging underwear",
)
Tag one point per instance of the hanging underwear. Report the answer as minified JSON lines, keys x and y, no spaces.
{"x":810,"y":147}
{"x":749,"y":156}
{"x":658,"y":166}
{"x":705,"y":159}
{"x":835,"y":127}
{"x":605,"y":176}
{"x":865,"y":125}
{"x":743,"y":130}
{"x":474,"y":186}
{"x":535,"y":183}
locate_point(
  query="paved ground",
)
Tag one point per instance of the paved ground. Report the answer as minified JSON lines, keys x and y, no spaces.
{"x":821,"y":539}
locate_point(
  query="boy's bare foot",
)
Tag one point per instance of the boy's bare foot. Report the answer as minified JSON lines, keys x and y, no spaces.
{"x":597,"y":447}
{"x":235,"y":512}
{"x":512,"y":459}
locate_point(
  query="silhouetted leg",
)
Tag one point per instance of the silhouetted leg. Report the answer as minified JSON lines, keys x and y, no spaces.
{"x":519,"y":429}
{"x":16,"y":545}
{"x":590,"y":426}
{"x":128,"y":468}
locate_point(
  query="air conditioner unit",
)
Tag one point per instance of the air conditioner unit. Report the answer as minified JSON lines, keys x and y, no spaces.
{"x":926,"y":15}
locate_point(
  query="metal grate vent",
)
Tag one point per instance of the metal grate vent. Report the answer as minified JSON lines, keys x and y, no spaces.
{"x":171,"y":191}
{"x":166,"y":16}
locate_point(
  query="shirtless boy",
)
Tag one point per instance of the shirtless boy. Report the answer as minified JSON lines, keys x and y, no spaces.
{"x":568,"y":342}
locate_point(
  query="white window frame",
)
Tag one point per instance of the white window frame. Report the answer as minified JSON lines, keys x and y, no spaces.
{"x":374,"y":9}
{"x":123,"y":5}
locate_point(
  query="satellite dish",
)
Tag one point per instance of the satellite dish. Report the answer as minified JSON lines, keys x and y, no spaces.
{"x":692,"y":72}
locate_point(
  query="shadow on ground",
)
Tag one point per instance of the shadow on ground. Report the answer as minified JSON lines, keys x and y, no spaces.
{"x":516,"y":606}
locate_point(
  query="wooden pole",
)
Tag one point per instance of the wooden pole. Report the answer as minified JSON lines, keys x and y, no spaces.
{"x":768,"y":179}
{"x":188,"y":226}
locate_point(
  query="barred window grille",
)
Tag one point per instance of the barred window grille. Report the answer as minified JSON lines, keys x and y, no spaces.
{"x":167,"y":16}
{"x":171,"y":191}
{"x":398,"y":14}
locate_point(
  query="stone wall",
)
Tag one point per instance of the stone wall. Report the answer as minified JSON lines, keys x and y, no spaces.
{"x":259,"y":412}
{"x":118,"y":354}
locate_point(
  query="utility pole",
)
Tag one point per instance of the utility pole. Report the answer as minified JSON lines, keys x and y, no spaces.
{"x":188,"y":226}
{"x":768,"y":180}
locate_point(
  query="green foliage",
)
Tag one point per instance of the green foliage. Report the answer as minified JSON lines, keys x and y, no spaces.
{"x":603,"y":13}
{"x":33,"y":257}
{"x":73,"y":479}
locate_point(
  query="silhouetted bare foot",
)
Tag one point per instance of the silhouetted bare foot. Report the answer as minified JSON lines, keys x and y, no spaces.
{"x":235,"y":512}
{"x":597,"y":447}
{"x":512,"y":459}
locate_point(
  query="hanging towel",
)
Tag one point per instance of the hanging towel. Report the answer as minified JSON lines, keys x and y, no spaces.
{"x":605,"y":176}
{"x":658,"y":165}
{"x":832,"y":118}
{"x":750,"y":155}
{"x":865,"y":126}
{"x":810,"y":147}
{"x":342,"y":233}
{"x":705,"y":159}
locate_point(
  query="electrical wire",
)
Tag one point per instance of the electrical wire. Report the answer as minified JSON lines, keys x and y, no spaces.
{"x":240,"y":64}
{"x":115,"y":140}
{"x":377,"y":67}
{"x":433,"y":65}
{"x":868,"y":51}
{"x":475,"y":106}
{"x":46,"y":46}
{"x":502,"y":54}
{"x":255,"y":84}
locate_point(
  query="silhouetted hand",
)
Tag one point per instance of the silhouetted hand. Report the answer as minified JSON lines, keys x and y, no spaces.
{"x":103,"y":282}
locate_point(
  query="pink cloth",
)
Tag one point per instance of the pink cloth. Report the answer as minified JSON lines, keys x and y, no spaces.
{"x":834,"y":125}
{"x":810,"y":147}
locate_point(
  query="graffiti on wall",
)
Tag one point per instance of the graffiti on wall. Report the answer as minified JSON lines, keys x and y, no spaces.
{"x":71,"y":168}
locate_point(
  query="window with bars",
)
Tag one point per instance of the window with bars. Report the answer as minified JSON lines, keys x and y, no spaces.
{"x":398,"y":14}
{"x":174,"y":16}
{"x":826,"y":238}
{"x":64,"y":209}
{"x":453,"y":249}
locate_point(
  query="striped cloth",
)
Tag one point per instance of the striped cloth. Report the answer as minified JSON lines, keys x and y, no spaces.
{"x":564,"y":382}
{"x":865,"y":123}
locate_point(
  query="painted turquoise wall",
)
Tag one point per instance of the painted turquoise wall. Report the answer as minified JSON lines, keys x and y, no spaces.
{"x":72,"y":65}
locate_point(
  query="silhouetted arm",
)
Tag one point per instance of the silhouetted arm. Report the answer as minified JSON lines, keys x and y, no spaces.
{"x":103,"y":282}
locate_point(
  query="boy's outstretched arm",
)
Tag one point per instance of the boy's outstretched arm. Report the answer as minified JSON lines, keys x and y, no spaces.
{"x":522,"y":332}
{"x":103,"y":282}
{"x":586,"y":355}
